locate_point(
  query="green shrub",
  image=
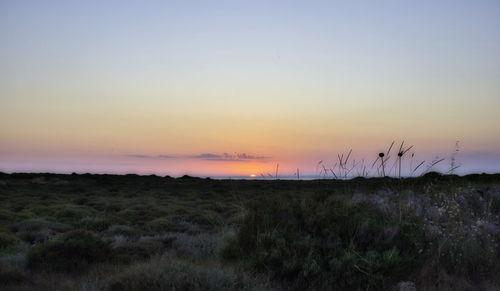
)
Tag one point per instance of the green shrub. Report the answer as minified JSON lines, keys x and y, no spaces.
{"x":494,"y":205}
{"x":7,"y":240}
{"x":469,"y":256}
{"x":231,"y":249}
{"x":141,"y":214}
{"x":36,"y":224}
{"x":128,"y":251}
{"x":6,"y":215}
{"x":71,"y":251}
{"x":120,"y":229}
{"x":93,"y":223}
{"x":36,"y":230}
{"x":161,"y":225}
{"x":166,"y":275}
{"x":206,"y":218}
{"x":12,"y":268}
{"x":81,"y":200}
{"x":64,"y":213}
{"x":104,"y":205}
{"x":9,"y":275}
{"x":72,"y":214}
{"x":200,"y":246}
{"x":328,"y":242}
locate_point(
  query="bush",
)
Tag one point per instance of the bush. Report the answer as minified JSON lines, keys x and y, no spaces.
{"x":328,"y":243}
{"x":120,"y":229}
{"x":36,"y":224}
{"x":93,"y":223}
{"x":141,"y":214}
{"x":125,"y":251}
{"x":469,"y":256}
{"x":494,"y":205}
{"x":72,"y":251}
{"x":6,"y":215}
{"x":7,"y":240}
{"x":37,"y":230}
{"x":180,"y":275}
{"x":12,"y":268}
{"x":71,"y":214}
{"x":10,"y":275}
{"x":201,"y":246}
{"x":206,"y":218}
{"x":161,"y":225}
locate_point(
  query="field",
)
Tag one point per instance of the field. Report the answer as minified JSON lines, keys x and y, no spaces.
{"x":129,"y":232}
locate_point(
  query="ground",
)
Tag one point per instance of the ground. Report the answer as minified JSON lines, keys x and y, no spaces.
{"x":129,"y":232}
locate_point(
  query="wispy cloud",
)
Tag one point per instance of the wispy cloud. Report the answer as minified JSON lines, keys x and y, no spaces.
{"x":206,"y":156}
{"x":236,"y":157}
{"x":150,"y":157}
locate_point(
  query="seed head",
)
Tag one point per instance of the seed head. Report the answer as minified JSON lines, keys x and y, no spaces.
{"x":381,"y":155}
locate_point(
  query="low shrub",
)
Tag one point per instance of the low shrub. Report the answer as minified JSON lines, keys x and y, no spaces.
{"x":141,"y":214}
{"x":63,"y":213}
{"x":159,"y":225}
{"x":12,"y":268}
{"x":160,"y":275}
{"x":206,"y":218}
{"x":328,"y":243}
{"x":200,"y":246}
{"x":93,"y":223}
{"x":72,"y":214}
{"x":120,"y":229}
{"x":69,"y":252}
{"x":35,"y":224}
{"x":7,"y":240}
{"x":125,"y":251}
{"x":36,"y":230}
{"x":9,"y":275}
{"x":34,"y":237}
{"x":472,"y":256}
{"x":494,"y":205}
{"x":6,"y":216}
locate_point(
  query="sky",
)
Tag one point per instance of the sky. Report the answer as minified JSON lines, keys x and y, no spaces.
{"x":228,"y":88}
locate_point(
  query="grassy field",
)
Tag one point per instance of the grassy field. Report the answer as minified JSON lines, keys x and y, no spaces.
{"x":111,"y":232}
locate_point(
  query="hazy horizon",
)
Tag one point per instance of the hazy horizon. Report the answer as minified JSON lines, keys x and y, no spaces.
{"x":233,"y":88}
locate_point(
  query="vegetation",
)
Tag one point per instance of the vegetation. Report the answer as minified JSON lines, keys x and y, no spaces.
{"x":72,"y":251}
{"x":112,"y":232}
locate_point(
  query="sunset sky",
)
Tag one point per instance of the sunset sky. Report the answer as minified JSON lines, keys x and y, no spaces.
{"x":227,"y":88}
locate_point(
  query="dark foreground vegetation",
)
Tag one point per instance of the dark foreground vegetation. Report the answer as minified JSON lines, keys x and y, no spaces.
{"x":107,"y":232}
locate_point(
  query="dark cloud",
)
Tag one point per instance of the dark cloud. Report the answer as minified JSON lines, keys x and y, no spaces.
{"x":250,"y":157}
{"x":150,"y":157}
{"x":206,"y":156}
{"x":227,"y":157}
{"x":165,"y":157}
